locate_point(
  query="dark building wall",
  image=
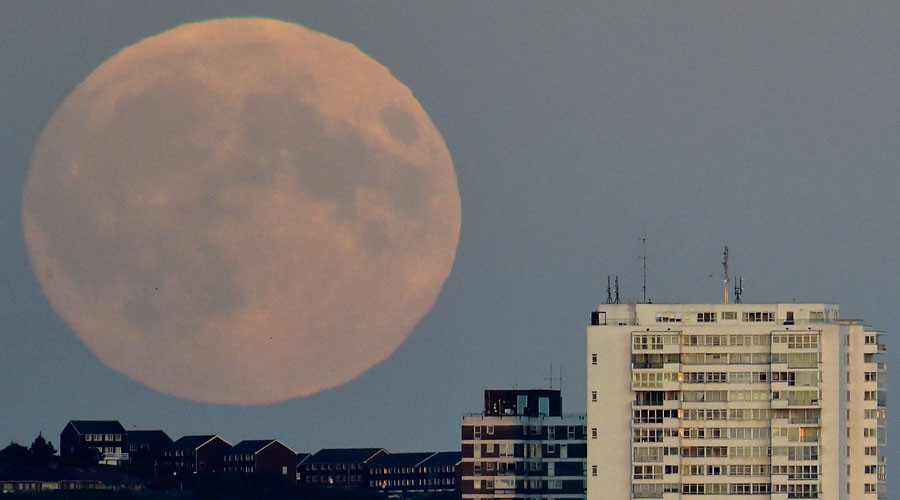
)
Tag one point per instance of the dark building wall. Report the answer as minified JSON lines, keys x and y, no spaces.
{"x":209,"y":455}
{"x":340,"y":474}
{"x":69,"y":439}
{"x":277,"y":458}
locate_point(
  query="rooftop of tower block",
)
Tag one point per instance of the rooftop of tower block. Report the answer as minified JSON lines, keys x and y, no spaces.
{"x":787,"y":313}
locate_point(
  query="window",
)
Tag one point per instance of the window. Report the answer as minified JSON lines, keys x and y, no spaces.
{"x":593,"y":396}
{"x":706,"y":317}
{"x":729,"y":315}
{"x":593,"y":470}
{"x":544,"y":405}
{"x":593,"y":359}
{"x":668,"y":317}
{"x":593,"y":433}
{"x":490,"y":429}
{"x":477,"y":430}
{"x":759,"y":316}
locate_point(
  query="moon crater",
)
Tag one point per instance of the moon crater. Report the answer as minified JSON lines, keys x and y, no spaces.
{"x":241,"y":211}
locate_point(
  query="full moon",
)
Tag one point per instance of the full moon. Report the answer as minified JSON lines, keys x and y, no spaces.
{"x":241,"y":211}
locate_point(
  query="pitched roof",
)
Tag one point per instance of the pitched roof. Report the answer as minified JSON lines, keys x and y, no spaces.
{"x":249,"y":446}
{"x":442,"y":459}
{"x":147,"y":437}
{"x":403,"y":459}
{"x":97,"y":426}
{"x":192,"y":442}
{"x":342,"y":455}
{"x":301,"y":457}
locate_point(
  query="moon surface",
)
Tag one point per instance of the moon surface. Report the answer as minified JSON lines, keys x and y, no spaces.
{"x":241,"y":211}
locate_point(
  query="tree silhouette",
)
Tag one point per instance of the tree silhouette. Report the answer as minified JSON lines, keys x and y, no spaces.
{"x":84,"y":456}
{"x":15,"y":455}
{"x":42,"y":451}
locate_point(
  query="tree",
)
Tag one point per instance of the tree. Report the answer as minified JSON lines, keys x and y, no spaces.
{"x":84,"y":456}
{"x":42,"y":451}
{"x":15,"y":455}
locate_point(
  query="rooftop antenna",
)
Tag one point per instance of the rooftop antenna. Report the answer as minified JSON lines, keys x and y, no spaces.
{"x":725,"y":264}
{"x":738,"y":290}
{"x":617,"y":291}
{"x":552,"y":378}
{"x":608,"y":291}
{"x":644,"y":273}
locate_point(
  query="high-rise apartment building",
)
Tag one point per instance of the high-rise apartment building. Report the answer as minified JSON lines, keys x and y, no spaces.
{"x":523,"y":447}
{"x":774,"y":401}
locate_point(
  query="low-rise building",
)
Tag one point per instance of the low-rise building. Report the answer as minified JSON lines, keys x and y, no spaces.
{"x":438,"y":472}
{"x":261,"y":455}
{"x":348,"y":467}
{"x":301,"y":457}
{"x":107,"y":436}
{"x":397,"y":472}
{"x":197,"y":454}
{"x":400,"y":473}
{"x":150,"y":444}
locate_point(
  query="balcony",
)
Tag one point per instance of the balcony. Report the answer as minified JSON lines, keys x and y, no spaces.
{"x":656,"y":404}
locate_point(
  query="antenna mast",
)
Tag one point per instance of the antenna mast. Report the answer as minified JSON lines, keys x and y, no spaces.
{"x":738,"y":290}
{"x":644,"y":273}
{"x":617,"y":290}
{"x":725,"y":264}
{"x":608,"y":291}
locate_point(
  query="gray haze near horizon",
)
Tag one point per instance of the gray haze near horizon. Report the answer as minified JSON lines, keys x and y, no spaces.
{"x":575,"y":130}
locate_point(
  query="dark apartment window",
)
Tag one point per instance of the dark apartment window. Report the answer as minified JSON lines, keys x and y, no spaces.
{"x":706,"y":317}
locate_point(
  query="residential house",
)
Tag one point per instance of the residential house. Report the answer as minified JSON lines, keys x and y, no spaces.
{"x":107,"y":436}
{"x":301,"y":457}
{"x":261,"y":455}
{"x":397,"y":472}
{"x":438,"y":472}
{"x":340,"y":466}
{"x":197,"y":454}
{"x":151,"y":444}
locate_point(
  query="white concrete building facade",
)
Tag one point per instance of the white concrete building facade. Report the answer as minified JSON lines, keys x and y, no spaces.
{"x":774,"y":401}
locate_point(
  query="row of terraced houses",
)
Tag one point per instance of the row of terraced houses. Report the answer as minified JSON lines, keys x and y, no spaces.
{"x":200,"y":454}
{"x":518,"y":434}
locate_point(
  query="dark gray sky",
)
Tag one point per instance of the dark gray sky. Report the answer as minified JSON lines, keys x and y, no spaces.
{"x":575,"y":130}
